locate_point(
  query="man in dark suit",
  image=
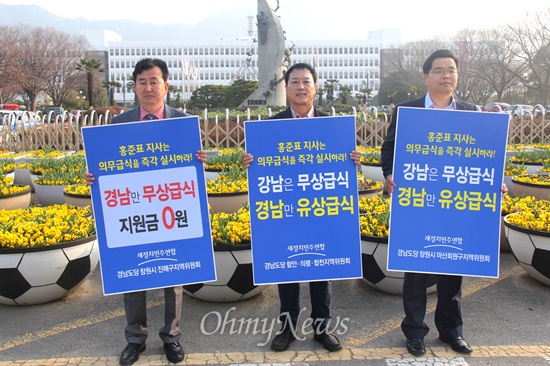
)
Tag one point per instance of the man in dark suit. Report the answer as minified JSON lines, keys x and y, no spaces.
{"x":441,"y":77}
{"x":301,"y":87}
{"x":150,"y":77}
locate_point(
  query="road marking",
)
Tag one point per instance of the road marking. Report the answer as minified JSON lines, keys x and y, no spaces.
{"x":388,"y":325}
{"x":394,"y":357}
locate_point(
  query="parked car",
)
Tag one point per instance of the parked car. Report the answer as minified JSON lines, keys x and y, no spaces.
{"x":494,"y":107}
{"x":516,"y":113}
{"x":546,"y":112}
{"x":384,"y":108}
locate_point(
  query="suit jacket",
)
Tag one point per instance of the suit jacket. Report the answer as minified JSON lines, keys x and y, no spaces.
{"x":132,"y":115}
{"x":288,"y":114}
{"x":389,"y":141}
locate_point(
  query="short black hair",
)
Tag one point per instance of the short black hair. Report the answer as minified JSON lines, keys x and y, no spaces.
{"x":147,"y":64}
{"x":438,"y":54}
{"x":301,"y":66}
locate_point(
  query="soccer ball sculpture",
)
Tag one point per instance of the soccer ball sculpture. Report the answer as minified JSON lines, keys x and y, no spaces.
{"x":234,"y":277}
{"x":39,"y":275}
{"x":374,"y":253}
{"x":532,"y":251}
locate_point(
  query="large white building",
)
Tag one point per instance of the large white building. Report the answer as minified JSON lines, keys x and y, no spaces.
{"x":192,"y":64}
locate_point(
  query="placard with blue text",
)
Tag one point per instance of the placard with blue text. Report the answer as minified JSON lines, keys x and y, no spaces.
{"x":446,"y":206}
{"x":150,"y":204}
{"x":302,"y":188}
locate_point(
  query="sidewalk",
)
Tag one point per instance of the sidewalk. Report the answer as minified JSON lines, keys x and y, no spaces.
{"x":507,"y":321}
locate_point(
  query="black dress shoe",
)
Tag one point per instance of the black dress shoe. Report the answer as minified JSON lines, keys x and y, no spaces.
{"x":458,"y":344}
{"x":282,"y":340}
{"x":174,"y":352}
{"x":328,"y":340}
{"x":416,"y":347}
{"x":131,"y":353}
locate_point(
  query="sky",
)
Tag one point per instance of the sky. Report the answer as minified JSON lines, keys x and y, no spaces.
{"x":315,"y":19}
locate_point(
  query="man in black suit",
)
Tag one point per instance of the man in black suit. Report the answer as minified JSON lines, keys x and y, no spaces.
{"x":150,"y":77}
{"x":441,"y":77}
{"x":301,"y":87}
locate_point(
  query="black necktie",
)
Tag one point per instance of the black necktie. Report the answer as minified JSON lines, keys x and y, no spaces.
{"x":150,"y":117}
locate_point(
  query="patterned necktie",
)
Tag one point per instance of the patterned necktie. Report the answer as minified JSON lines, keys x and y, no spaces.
{"x":150,"y":117}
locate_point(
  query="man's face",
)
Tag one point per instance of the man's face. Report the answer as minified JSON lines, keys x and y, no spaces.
{"x":443,"y":76}
{"x":301,"y":88}
{"x":151,"y":88}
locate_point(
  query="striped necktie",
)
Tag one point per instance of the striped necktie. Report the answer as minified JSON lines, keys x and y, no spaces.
{"x":150,"y":117}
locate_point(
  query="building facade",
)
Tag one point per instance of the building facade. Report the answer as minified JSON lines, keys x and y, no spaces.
{"x":192,"y":64}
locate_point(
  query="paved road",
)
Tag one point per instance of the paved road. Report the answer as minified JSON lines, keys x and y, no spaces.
{"x":507,"y":320}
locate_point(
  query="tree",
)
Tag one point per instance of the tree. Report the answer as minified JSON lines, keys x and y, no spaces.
{"x":90,"y":66}
{"x":208,"y":96}
{"x":110,"y":86}
{"x":34,"y":58}
{"x":532,"y":36}
{"x":8,"y":80}
{"x":330,"y":85}
{"x":345,"y":94}
{"x":171,"y":89}
{"x":320,"y":92}
{"x":238,"y":91}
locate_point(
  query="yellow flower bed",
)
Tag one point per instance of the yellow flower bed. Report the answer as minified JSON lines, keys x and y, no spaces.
{"x":538,"y":179}
{"x":226,"y":186}
{"x":511,"y":169}
{"x":7,"y":189}
{"x":366,"y":184}
{"x":374,"y":219}
{"x":533,"y":220}
{"x":531,"y":157}
{"x":5,"y":180}
{"x":368,"y":149}
{"x":44,"y":153}
{"x":44,"y":226}
{"x":230,"y":228}
{"x":226,"y":159}
{"x":373,"y":158}
{"x":79,"y":189}
{"x":527,"y":203}
{"x":519,"y":147}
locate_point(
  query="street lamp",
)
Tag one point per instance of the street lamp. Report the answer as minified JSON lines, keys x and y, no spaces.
{"x":124,"y":89}
{"x":80,"y":92}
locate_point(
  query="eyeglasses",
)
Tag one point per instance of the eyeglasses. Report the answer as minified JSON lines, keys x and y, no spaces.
{"x":441,"y":72}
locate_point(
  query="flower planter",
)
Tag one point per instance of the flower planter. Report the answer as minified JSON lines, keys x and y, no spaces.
{"x":504,"y":244}
{"x":531,"y":249}
{"x":374,"y":256}
{"x":23,"y":177}
{"x":371,"y":192}
{"x":11,"y":174}
{"x":50,"y":194}
{"x":539,"y":191}
{"x":234,"y":277}
{"x":212,"y":153}
{"x":373,"y":172}
{"x":227,"y":202}
{"x":16,"y":200}
{"x":508,"y":182}
{"x":211,"y":174}
{"x":532,"y":168}
{"x":79,"y":200}
{"x":30,"y":276}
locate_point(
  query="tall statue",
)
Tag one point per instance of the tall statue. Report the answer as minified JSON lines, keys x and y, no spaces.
{"x":271,"y":60}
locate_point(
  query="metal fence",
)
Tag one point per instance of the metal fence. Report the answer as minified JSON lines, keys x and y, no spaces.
{"x":35,"y":131}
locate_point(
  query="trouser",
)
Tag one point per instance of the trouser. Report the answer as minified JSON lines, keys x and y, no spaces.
{"x":448,"y":316}
{"x":320,"y":293}
{"x":135,"y":306}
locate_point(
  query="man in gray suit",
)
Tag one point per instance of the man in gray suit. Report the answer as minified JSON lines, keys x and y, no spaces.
{"x":150,"y":77}
{"x":441,"y":77}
